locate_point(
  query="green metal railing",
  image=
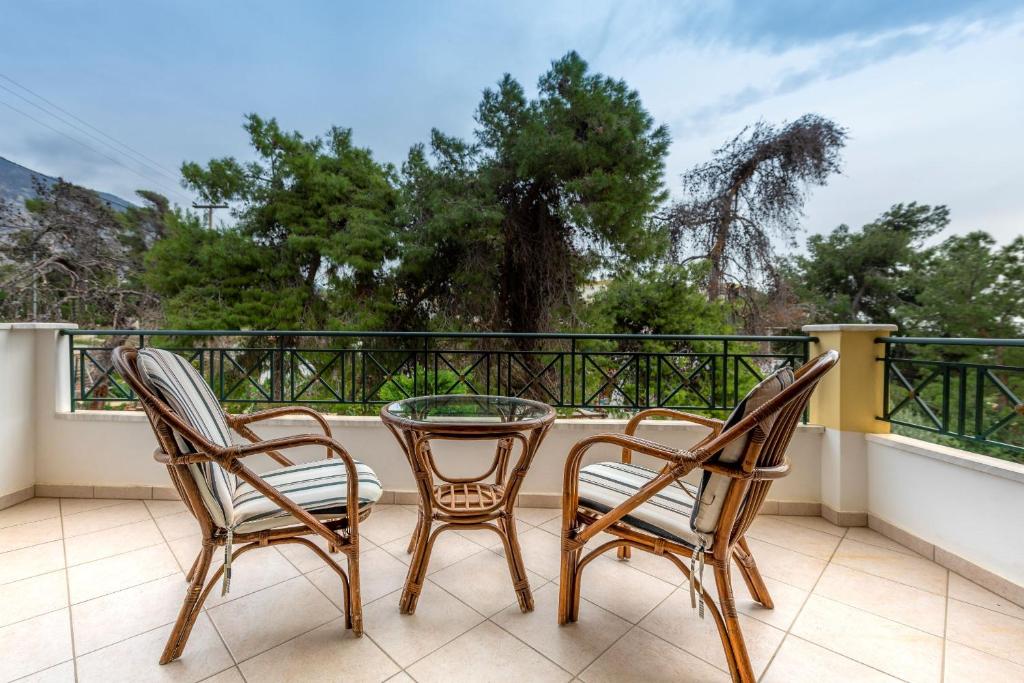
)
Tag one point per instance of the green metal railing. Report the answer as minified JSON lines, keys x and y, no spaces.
{"x":351,"y":370}
{"x":966,"y":389}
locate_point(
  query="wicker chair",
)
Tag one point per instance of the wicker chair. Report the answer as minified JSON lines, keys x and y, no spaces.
{"x":233,"y":504}
{"x":657,"y":512}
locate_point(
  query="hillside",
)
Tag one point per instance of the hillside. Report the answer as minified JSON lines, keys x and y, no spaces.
{"x":16,"y":185}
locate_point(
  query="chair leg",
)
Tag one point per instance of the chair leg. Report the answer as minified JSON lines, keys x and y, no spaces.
{"x":190,"y":608}
{"x":732,"y":639}
{"x":568,"y":589}
{"x":354,"y":611}
{"x":751,"y":576}
{"x":623,"y":552}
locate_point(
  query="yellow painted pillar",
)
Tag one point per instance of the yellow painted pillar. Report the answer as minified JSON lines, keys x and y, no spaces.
{"x":847,"y":404}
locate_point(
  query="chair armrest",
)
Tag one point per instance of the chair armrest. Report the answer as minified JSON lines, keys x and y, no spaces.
{"x":239,"y":423}
{"x":714,"y":424}
{"x":232,"y":462}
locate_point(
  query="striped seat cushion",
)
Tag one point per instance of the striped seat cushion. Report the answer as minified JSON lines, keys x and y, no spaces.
{"x":319,"y":487}
{"x":175,"y":381}
{"x":604,"y":485}
{"x":713,"y":487}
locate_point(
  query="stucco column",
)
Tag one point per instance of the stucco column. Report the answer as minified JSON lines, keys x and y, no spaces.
{"x":846,"y":404}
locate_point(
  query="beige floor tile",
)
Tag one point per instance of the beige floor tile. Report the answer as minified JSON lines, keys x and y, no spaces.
{"x":537,"y":516}
{"x":817,"y":544}
{"x":573,"y":646}
{"x":251,"y":572}
{"x":907,"y":605}
{"x":863,"y":534}
{"x":114,"y":617}
{"x":126,"y":512}
{"x":967,"y":591}
{"x":232,"y":675}
{"x":304,"y":559}
{"x":177,"y":525}
{"x":449,"y":548}
{"x":799,"y":661}
{"x":257,"y":622}
{"x":109,"y":542}
{"x":652,"y":564}
{"x":912,"y":570}
{"x":439,"y":618}
{"x":482,"y":581}
{"x":73,"y":506}
{"x":541,"y":552}
{"x":29,"y":533}
{"x":401,"y":677}
{"x":31,"y":561}
{"x":787,"y":600}
{"x":638,"y":656}
{"x":985,"y":630}
{"x":379,"y":574}
{"x":603,"y":583}
{"x":32,"y":510}
{"x":386,"y":523}
{"x":787,"y":566}
{"x":816,"y":523}
{"x":967,"y":665}
{"x":163,"y":508}
{"x":489,"y":539}
{"x":62,"y":673}
{"x":896,"y":649}
{"x":486,"y":654}
{"x":31,"y":597}
{"x":93,"y":579}
{"x":325,"y":654}
{"x":34,"y":645}
{"x":137,"y":659}
{"x":676,"y":622}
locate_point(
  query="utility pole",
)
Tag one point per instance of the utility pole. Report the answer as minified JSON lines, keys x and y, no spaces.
{"x":209,"y":211}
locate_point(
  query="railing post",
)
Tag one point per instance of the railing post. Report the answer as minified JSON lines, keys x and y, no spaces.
{"x":847,"y":403}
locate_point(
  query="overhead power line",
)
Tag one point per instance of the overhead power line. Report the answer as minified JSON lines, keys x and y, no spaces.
{"x":89,"y":125}
{"x":90,"y":148}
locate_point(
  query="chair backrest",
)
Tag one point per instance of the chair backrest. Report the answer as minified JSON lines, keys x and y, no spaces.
{"x":756,"y":436}
{"x":174,"y":381}
{"x":707,"y":508}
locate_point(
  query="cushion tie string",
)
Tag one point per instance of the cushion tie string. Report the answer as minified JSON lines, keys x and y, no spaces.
{"x":226,"y":586}
{"x":697,"y":578}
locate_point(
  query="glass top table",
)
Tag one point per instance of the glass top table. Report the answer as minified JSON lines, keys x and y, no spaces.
{"x":482,"y":501}
{"x":465,"y":412}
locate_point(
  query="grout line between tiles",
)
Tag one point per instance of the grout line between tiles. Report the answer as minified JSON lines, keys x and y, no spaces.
{"x":67,"y":587}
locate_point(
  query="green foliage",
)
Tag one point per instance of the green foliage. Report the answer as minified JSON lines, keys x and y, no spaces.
{"x":665,"y":300}
{"x":551,"y":189}
{"x":860,"y":276}
{"x":967,"y":286}
{"x":314,"y":217}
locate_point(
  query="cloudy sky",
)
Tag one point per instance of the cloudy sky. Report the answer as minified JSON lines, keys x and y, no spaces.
{"x":932,"y":91}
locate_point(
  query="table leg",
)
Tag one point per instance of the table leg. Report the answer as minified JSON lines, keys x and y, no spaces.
{"x":418,"y":566}
{"x":516,"y":567}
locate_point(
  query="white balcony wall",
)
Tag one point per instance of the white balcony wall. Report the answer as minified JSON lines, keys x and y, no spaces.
{"x":970,"y":506}
{"x":114,"y":448}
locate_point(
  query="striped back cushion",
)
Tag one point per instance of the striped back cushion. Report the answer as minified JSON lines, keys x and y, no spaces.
{"x":712,"y":489}
{"x":175,"y":380}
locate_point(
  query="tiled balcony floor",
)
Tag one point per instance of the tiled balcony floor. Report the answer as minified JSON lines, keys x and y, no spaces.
{"x":89,"y":588}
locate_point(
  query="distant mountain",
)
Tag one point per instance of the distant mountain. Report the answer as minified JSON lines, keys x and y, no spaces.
{"x":16,"y":186}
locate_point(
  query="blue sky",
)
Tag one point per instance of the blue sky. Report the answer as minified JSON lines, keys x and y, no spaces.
{"x":931,"y":92}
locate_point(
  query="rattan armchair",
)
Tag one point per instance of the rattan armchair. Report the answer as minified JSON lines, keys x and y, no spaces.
{"x":647,"y":512}
{"x":186,"y":451}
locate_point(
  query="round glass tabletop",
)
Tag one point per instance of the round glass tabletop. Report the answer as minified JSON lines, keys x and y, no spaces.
{"x":462,"y":410}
